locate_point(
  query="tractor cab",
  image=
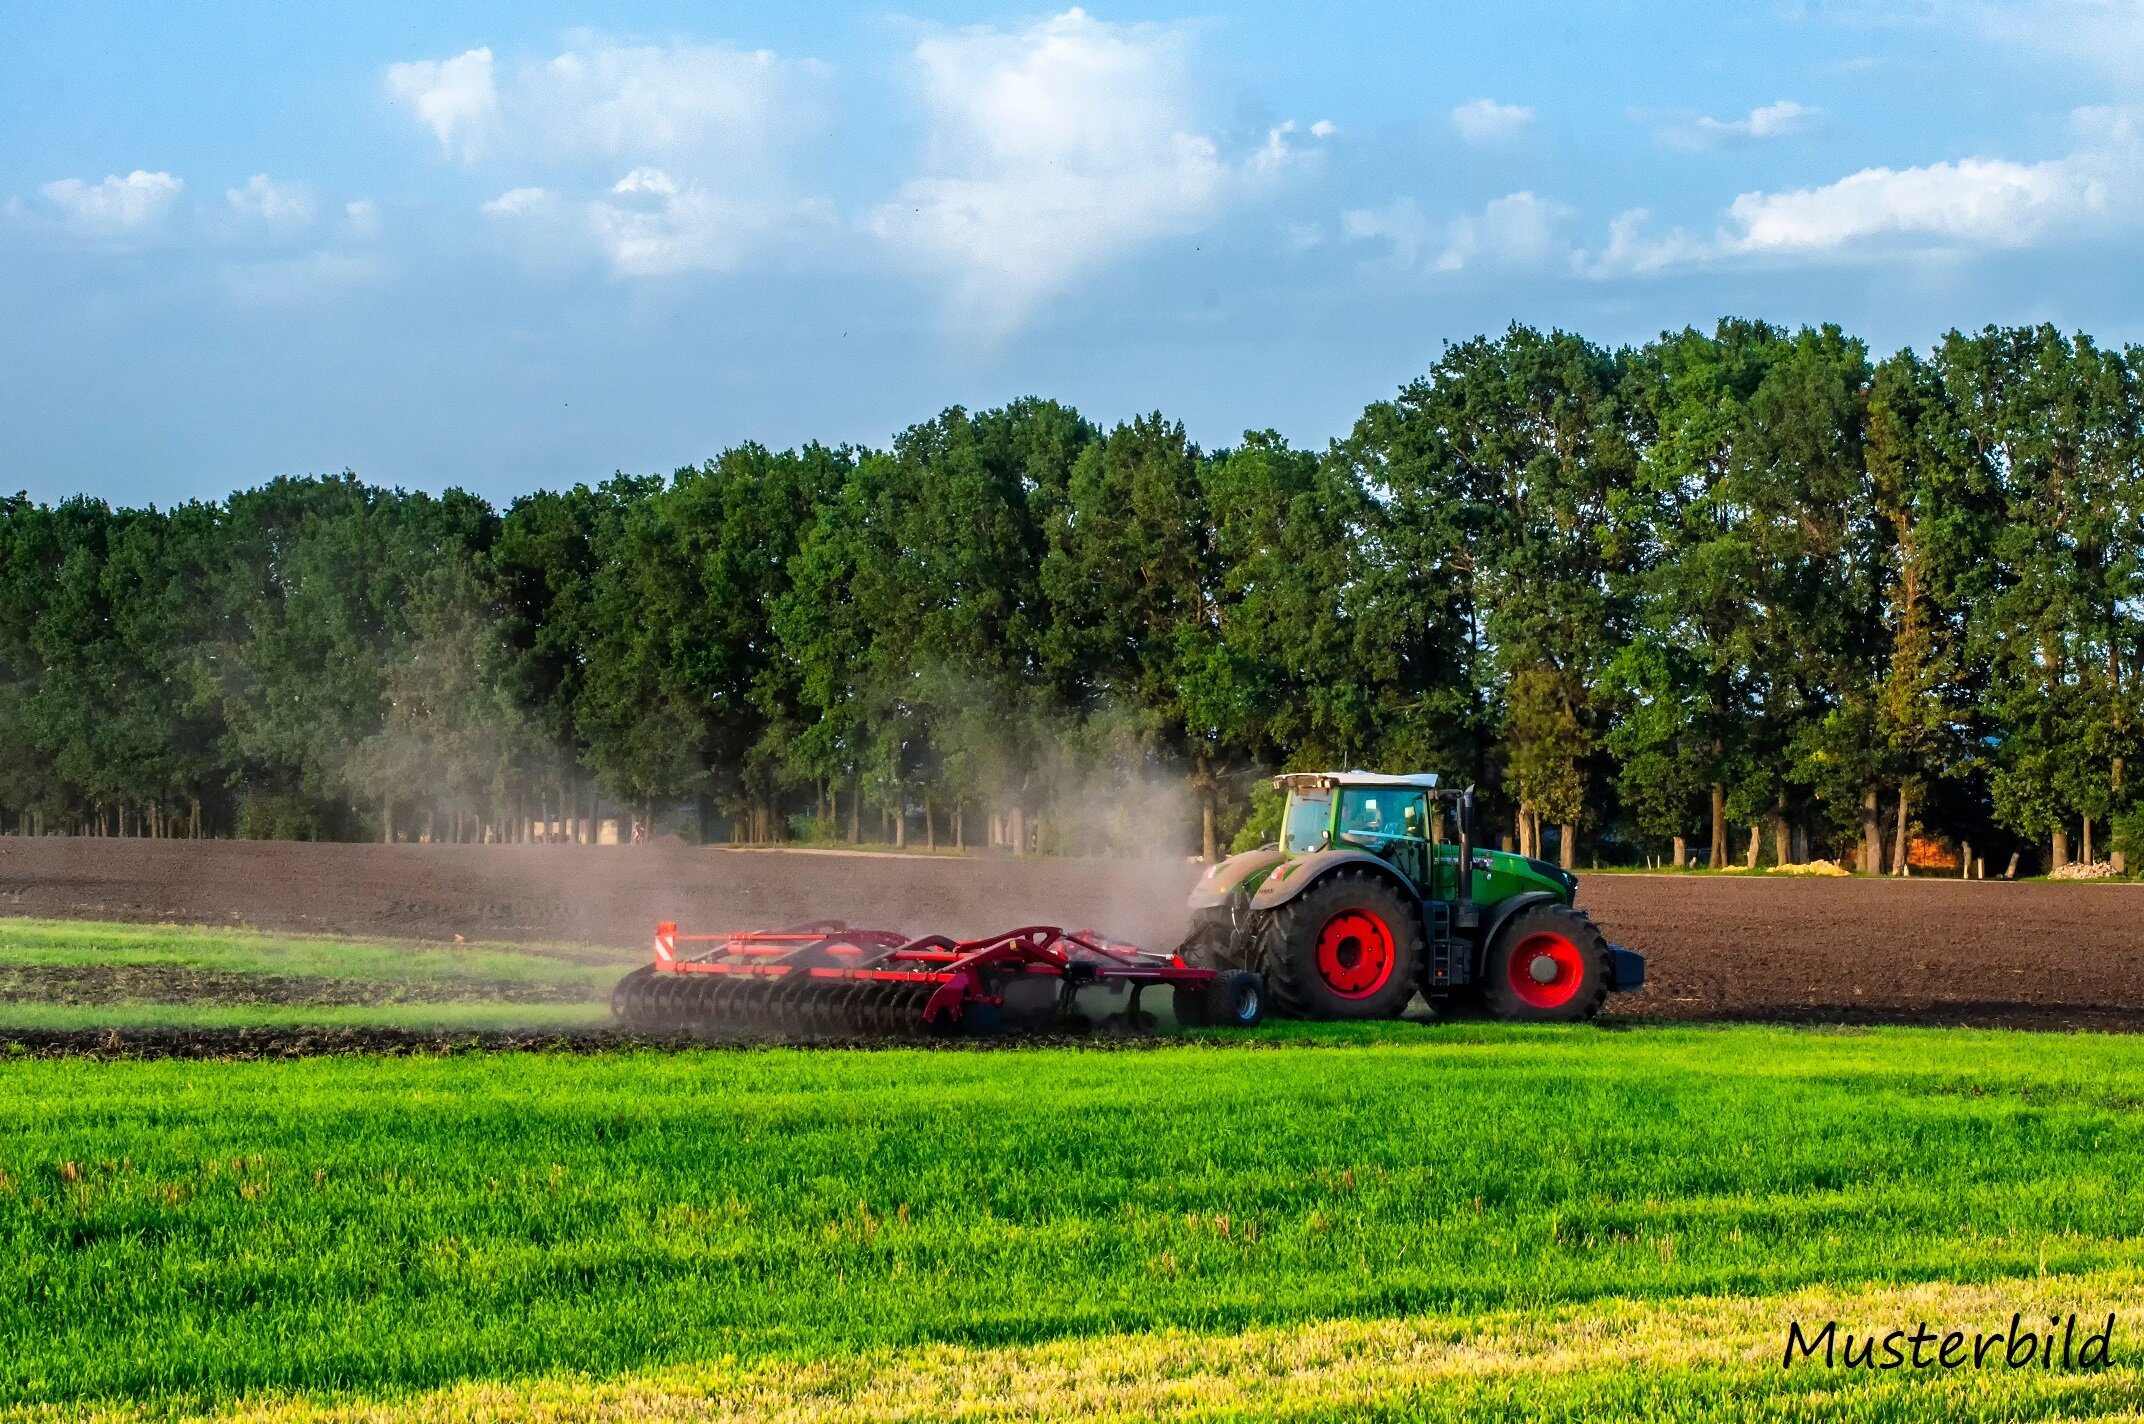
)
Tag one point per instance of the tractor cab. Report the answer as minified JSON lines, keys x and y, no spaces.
{"x":1387,"y":816}
{"x":1364,"y":901}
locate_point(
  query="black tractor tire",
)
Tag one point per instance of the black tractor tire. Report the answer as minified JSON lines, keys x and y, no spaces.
{"x":1548,"y":965}
{"x":1233,"y":998}
{"x":1349,"y":947}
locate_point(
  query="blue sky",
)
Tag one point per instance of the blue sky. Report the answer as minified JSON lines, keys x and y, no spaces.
{"x":512,"y":246}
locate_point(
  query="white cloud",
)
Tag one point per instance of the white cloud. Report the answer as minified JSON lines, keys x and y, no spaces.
{"x":1055,"y":149}
{"x":613,"y":101}
{"x":703,"y":135}
{"x":1984,"y":203}
{"x":1631,"y":253}
{"x":455,"y":97}
{"x":1280,"y":149}
{"x":1401,"y":226}
{"x":1324,"y":128}
{"x":1486,"y":121}
{"x":655,"y":226}
{"x":117,"y":205}
{"x":1779,"y":119}
{"x":604,"y":102}
{"x":362,"y":217}
{"x":277,"y":204}
{"x":519,"y":202}
{"x":1977,"y":200}
{"x":1515,"y":232}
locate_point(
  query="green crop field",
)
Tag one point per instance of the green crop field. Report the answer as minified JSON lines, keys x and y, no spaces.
{"x":1409,"y":1222}
{"x":61,"y":974}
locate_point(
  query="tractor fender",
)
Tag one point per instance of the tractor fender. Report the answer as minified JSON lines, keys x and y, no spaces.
{"x":1495,"y":917}
{"x":1298,"y":875}
{"x":1224,"y":878}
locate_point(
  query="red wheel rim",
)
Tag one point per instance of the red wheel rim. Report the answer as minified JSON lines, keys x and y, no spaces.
{"x":1355,"y":954}
{"x":1565,"y":966}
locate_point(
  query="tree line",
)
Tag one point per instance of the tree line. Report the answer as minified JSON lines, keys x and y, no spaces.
{"x":1735,"y":596}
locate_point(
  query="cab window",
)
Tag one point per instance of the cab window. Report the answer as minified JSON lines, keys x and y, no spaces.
{"x":1303,"y":831}
{"x":1385,"y":812}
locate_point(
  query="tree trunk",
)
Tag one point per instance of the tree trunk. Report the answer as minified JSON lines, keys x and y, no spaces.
{"x":2088,"y":840}
{"x":856,"y":810}
{"x":930,"y":825}
{"x":1782,"y":837}
{"x":1207,"y":839}
{"x":387,"y":820}
{"x":1755,"y":850}
{"x":1016,"y":832}
{"x":900,"y":825}
{"x":1903,"y":868}
{"x":1567,"y":845}
{"x":960,"y":831}
{"x":2011,"y":872}
{"x":1719,"y":826}
{"x":1965,"y":860}
{"x":1871,"y":834}
{"x":2060,"y":849}
{"x":2120,"y":859}
{"x":1682,"y":853}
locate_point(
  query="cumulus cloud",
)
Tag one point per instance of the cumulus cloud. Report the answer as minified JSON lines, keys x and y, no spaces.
{"x":1486,"y":121}
{"x":519,"y":202}
{"x":265,"y":200}
{"x":455,"y":97}
{"x":1055,"y":148}
{"x":1965,"y":203}
{"x":1976,"y":200}
{"x":654,"y":226}
{"x":1516,"y":232}
{"x":1779,"y":119}
{"x":135,"y":203}
{"x":664,"y":158}
{"x":603,"y":102}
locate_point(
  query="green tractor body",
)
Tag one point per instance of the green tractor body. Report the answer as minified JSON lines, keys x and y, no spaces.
{"x":1363,"y":903}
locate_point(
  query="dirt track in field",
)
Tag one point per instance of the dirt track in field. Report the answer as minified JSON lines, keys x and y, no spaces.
{"x":1814,"y":950}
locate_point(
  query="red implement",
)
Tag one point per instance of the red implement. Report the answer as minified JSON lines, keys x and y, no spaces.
{"x":827,"y":980}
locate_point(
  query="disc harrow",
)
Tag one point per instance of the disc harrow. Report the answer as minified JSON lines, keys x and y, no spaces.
{"x":826,"y":980}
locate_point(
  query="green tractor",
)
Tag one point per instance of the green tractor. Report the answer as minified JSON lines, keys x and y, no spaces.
{"x":1361,"y":905}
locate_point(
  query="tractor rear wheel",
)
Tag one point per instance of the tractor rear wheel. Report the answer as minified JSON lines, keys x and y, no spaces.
{"x":1349,"y":947}
{"x":1549,"y":965}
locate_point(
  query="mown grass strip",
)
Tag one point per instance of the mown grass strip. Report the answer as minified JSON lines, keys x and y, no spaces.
{"x":1693,"y":1359}
{"x":122,"y":1017}
{"x":32,"y":942}
{"x":63,"y":975}
{"x":203,"y":1232}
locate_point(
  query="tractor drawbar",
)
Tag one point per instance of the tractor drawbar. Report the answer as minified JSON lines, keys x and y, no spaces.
{"x":826,"y":980}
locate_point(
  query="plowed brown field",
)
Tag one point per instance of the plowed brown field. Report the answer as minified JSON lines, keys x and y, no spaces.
{"x":1850,"y":951}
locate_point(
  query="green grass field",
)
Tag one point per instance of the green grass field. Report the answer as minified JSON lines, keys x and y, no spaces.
{"x":58,"y":974}
{"x":1413,"y":1222}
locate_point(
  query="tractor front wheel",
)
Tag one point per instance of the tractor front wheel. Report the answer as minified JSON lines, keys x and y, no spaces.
{"x":1549,"y":965}
{"x":1349,"y":947}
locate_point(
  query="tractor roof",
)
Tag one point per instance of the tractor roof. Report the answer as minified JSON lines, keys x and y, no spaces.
{"x":1307,"y":780}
